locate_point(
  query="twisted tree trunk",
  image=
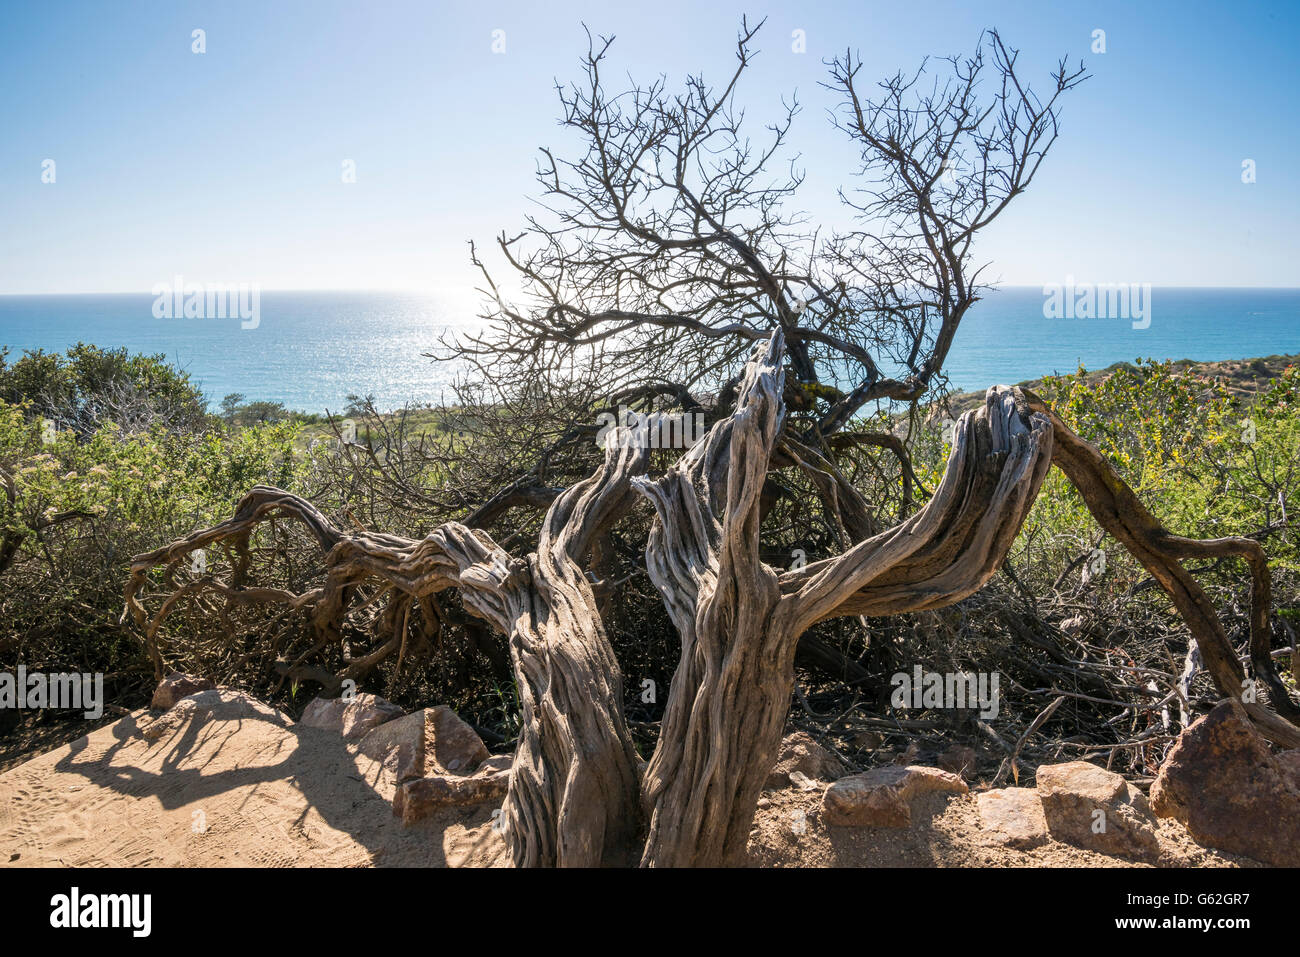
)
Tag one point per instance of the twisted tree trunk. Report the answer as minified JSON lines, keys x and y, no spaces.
{"x":574,"y":796}
{"x":740,"y":620}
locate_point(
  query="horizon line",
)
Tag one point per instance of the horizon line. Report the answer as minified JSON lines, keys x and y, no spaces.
{"x":406,"y":290}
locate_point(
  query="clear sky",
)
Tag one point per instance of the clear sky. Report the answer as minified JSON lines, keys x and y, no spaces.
{"x":226,"y":166}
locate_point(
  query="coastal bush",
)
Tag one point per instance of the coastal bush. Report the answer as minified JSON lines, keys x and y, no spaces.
{"x":89,"y":387}
{"x":75,"y":506}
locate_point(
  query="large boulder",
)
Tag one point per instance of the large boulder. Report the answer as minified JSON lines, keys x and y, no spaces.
{"x":176,"y":686}
{"x":1096,"y":809}
{"x":882,"y":797}
{"x":352,"y":717}
{"x":1227,"y":788}
{"x":431,"y":742}
{"x":802,"y":755}
{"x":1013,"y":817}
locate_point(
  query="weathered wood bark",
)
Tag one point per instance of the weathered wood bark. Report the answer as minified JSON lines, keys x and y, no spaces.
{"x":740,"y":620}
{"x":574,"y":797}
{"x":728,"y":700}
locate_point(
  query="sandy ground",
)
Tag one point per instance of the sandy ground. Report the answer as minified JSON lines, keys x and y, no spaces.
{"x":244,"y":786}
{"x":248,"y":789}
{"x":945,"y":832}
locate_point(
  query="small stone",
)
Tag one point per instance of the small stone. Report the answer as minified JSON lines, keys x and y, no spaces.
{"x":959,"y":759}
{"x":868,"y":740}
{"x":908,"y":756}
{"x":1090,"y":807}
{"x":1289,"y":762}
{"x":882,"y":797}
{"x":803,"y":782}
{"x":1013,"y":817}
{"x":176,"y":686}
{"x":497,"y":762}
{"x":427,"y":743}
{"x":801,"y":753}
{"x":352,"y":718}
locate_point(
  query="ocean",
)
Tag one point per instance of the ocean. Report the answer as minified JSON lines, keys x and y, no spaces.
{"x":309,"y":350}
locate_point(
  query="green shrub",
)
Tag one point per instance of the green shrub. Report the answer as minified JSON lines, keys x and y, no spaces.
{"x":76,"y":508}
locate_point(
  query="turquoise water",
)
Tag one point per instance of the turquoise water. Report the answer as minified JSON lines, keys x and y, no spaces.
{"x":310,"y":350}
{"x":1006,"y":339}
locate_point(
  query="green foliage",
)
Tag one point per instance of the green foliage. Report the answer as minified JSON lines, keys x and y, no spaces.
{"x":1205,"y":463}
{"x":237,"y":413}
{"x":77,"y":504}
{"x":91,"y":386}
{"x":76,"y":508}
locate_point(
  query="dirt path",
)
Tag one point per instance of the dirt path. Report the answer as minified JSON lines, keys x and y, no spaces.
{"x":239,"y":787}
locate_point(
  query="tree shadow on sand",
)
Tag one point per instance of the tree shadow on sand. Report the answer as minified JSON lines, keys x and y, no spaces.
{"x":210,"y":754}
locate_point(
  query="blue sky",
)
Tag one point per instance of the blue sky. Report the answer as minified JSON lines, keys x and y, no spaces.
{"x":226,"y":166}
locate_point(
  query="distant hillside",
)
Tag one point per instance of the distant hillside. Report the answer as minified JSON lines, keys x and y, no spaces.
{"x":1242,"y":377}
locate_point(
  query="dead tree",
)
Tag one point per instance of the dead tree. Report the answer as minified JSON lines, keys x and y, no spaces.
{"x":576,"y":796}
{"x":670,"y":275}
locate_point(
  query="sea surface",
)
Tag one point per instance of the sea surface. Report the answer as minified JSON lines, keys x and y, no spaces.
{"x":310,"y":350}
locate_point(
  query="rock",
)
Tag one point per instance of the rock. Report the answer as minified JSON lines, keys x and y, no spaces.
{"x":1226,"y":787}
{"x":498,"y":762}
{"x":1096,"y":809}
{"x":801,"y":753}
{"x":352,"y":718}
{"x":1013,"y":817}
{"x":217,"y":704}
{"x":431,"y":742}
{"x":958,"y":759}
{"x":1289,"y":762}
{"x":421,"y":797}
{"x":176,"y":686}
{"x":804,"y":783}
{"x":882,"y":797}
